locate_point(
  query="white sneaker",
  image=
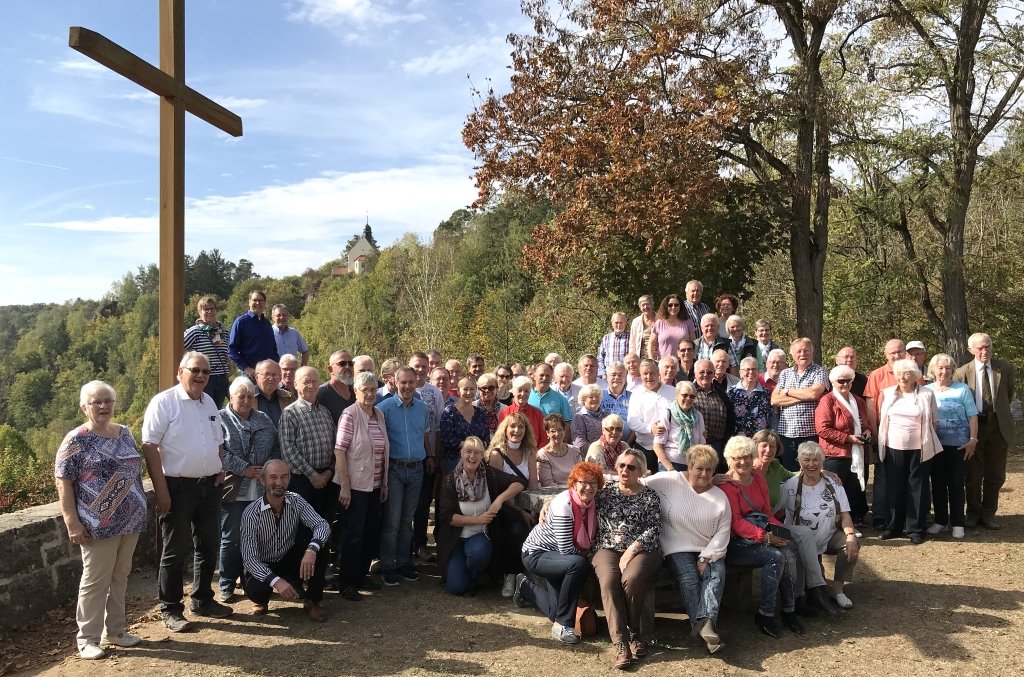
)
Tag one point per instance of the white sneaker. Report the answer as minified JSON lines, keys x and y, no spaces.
{"x":123,"y":640}
{"x":958,"y":532}
{"x":508,"y":588}
{"x":564,"y":634}
{"x":843,"y":601}
{"x":91,"y":652}
{"x":936,"y":529}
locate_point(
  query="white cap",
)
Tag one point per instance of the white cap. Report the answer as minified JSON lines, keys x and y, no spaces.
{"x":915,"y":344}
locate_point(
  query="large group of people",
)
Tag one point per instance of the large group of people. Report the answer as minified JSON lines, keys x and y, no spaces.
{"x":684,"y":443}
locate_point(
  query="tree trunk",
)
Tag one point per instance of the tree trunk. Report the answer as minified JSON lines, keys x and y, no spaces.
{"x":954,"y":286}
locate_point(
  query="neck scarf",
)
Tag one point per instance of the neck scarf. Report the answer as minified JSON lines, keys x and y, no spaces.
{"x":584,"y":521}
{"x":685,"y":420}
{"x":611,"y":453}
{"x":470,"y":488}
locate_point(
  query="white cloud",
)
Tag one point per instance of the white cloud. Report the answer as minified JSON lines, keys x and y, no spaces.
{"x":364,"y":12}
{"x":83,"y":66}
{"x":240,"y":104}
{"x":108,"y":224}
{"x":484,"y":53}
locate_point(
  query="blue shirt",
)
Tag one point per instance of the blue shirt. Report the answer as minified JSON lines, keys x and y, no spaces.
{"x":955,"y":406}
{"x":551,"y":402}
{"x":618,"y":406}
{"x":407,"y":424}
{"x":251,"y":341}
{"x":289,"y":342}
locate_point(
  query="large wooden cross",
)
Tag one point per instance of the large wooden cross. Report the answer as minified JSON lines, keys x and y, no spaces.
{"x":176,"y":97}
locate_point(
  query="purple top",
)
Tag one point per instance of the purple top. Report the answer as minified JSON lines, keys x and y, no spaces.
{"x":669,"y":336}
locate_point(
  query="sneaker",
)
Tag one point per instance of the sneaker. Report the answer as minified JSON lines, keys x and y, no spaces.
{"x":843,"y":601}
{"x":375,"y":567}
{"x":637,"y":647}
{"x":175,"y":622}
{"x":425,"y":555}
{"x":368,"y":584}
{"x":937,"y":528}
{"x":123,"y":640}
{"x":91,"y":652}
{"x":621,"y":657}
{"x":408,"y":573}
{"x":211,"y":609}
{"x":563,"y":634}
{"x":350,"y":593}
{"x":517,"y":594}
{"x":958,"y":532}
{"x":227,"y":596}
{"x":391,"y":579}
{"x":314,"y":611}
{"x":508,"y":588}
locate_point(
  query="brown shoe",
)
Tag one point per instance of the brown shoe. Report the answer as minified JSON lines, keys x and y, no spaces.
{"x":637,"y":646}
{"x":621,"y":657}
{"x":259,"y":609}
{"x":315,"y":612}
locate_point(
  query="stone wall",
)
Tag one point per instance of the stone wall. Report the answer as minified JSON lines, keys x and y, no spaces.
{"x":40,"y":568}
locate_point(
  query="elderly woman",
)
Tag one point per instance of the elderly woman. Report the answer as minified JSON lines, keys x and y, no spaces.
{"x":609,"y":446}
{"x":907,"y":443}
{"x":753,"y":542}
{"x":522,"y":386}
{"x":361,"y":450}
{"x":209,"y":337}
{"x":250,"y":440}
{"x":641,"y":326}
{"x":695,"y":524}
{"x":683,"y":427}
{"x":811,"y":500}
{"x":627,"y":554}
{"x":556,"y":551}
{"x":459,"y":421}
{"x":488,"y":400}
{"x":98,"y":472}
{"x":740,"y":345}
{"x":586,"y":424}
{"x":751,"y":401}
{"x":669,"y":329}
{"x":841,"y":421}
{"x":556,"y":459}
{"x":472,"y":527}
{"x":513,"y":449}
{"x":956,"y":424}
{"x":726,"y":306}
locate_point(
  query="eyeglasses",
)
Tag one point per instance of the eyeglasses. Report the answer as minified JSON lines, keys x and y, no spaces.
{"x":844,"y":381}
{"x":685,"y":350}
{"x":628,"y":466}
{"x":671,"y":305}
{"x":196,"y":370}
{"x":613,"y":430}
{"x":687,"y":396}
{"x":101,"y":403}
{"x":487,"y":389}
{"x":749,"y":369}
{"x":585,"y":483}
{"x":344,"y":363}
{"x":504,"y":375}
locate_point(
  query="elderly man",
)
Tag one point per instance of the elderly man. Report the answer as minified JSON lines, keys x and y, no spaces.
{"x":797,"y":394}
{"x":474,"y":366}
{"x":289,"y":365}
{"x":588,"y":372}
{"x":564,"y":386}
{"x":442,"y":380}
{"x":847,"y":356}
{"x":723,"y":377}
{"x":709,"y":341}
{"x":288,"y":339}
{"x":614,"y":345}
{"x":361,"y":363}
{"x":307,"y":445}
{"x":992,"y":383}
{"x":686,"y":353}
{"x":553,"y":359}
{"x":277,"y":557}
{"x":668,"y":368}
{"x":434,"y":359}
{"x":182,"y":425}
{"x":878,"y":381}
{"x":615,"y":398}
{"x":454,"y":368}
{"x":645,"y":408}
{"x":210,"y":338}
{"x":694,"y":306}
{"x":714,"y":405}
{"x":407,"y":420}
{"x":435,"y":398}
{"x":252,"y":336}
{"x":337,"y":394}
{"x":765,"y":344}
{"x":388,"y":386}
{"x":916,"y":352}
{"x":271,"y":398}
{"x":632,"y":364}
{"x":546,"y":399}
{"x":773,"y":367}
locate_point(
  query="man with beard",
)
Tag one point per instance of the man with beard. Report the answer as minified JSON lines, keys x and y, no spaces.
{"x":337,"y":394}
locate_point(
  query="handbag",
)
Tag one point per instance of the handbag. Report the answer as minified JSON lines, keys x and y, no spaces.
{"x":586,"y":619}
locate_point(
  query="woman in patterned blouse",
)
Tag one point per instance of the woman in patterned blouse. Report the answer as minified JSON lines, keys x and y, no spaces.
{"x":627,"y":553}
{"x":750,"y":400}
{"x":459,"y":421}
{"x":99,"y":480}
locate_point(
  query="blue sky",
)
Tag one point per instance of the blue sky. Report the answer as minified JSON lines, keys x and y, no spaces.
{"x":349,"y":107}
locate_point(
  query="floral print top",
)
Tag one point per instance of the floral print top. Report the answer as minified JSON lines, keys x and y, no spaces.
{"x":622,"y":519}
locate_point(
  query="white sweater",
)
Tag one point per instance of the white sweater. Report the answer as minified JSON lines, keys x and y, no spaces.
{"x":691,"y":522}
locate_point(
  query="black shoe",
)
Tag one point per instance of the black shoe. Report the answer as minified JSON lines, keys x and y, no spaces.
{"x":211,"y":609}
{"x":917,"y":539}
{"x":880,"y":525}
{"x":768,"y":625}
{"x":804,"y":608}
{"x":819,"y":598}
{"x":792,"y":622}
{"x":991,"y":523}
{"x":350,"y":593}
{"x":888,"y":534}
{"x":368,"y":584}
{"x":971,"y":521}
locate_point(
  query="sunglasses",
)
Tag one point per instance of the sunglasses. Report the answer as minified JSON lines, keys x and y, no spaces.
{"x":613,"y":430}
{"x":504,"y":375}
{"x":844,"y":381}
{"x":196,"y":370}
{"x":687,"y":396}
{"x":344,"y":363}
{"x":671,"y":305}
{"x":628,"y":466}
{"x":488,"y":389}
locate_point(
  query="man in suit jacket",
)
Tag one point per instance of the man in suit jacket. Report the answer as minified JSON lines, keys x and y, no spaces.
{"x":992,"y":382}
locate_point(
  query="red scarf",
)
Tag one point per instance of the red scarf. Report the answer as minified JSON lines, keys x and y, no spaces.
{"x":611,"y":454}
{"x":584,"y":521}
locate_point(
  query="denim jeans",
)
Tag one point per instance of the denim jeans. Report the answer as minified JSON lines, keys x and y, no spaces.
{"x":702,"y":595}
{"x":422,"y":515}
{"x":230,"y":546}
{"x":404,"y":485}
{"x":469,"y":561}
{"x":192,"y":526}
{"x":774,"y":576}
{"x":562,"y":577}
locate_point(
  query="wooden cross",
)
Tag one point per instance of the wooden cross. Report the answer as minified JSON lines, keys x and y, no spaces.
{"x":176,"y":97}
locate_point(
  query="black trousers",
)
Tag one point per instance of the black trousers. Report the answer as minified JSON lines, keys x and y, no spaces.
{"x":905,"y":483}
{"x":851,"y":483}
{"x":360,"y":536}
{"x":192,"y":525}
{"x":325,"y":502}
{"x":948,"y":471}
{"x":288,"y":569}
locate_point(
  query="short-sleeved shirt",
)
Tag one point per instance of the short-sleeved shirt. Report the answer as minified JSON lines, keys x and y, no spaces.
{"x":107,"y":474}
{"x":406,"y":424}
{"x":797,"y":420}
{"x":551,"y":402}
{"x":289,"y":341}
{"x":955,"y":405}
{"x":188,"y":432}
{"x":817,"y":507}
{"x":669,"y":336}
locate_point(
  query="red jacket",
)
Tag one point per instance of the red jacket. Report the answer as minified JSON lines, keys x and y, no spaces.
{"x":534,"y":416}
{"x":833,"y":423}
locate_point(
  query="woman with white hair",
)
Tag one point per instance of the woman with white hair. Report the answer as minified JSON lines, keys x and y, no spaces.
{"x":811,"y":500}
{"x":640,"y":327}
{"x":609,"y":446}
{"x":586,"y":423}
{"x":750,"y":400}
{"x":98,"y":472}
{"x":522,"y":386}
{"x":907,"y":442}
{"x":740,"y":345}
{"x":683,"y":427}
{"x":841,"y":421}
{"x":957,"y":427}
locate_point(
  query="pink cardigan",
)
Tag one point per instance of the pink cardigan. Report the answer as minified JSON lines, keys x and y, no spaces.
{"x":360,"y":450}
{"x":833,"y":423}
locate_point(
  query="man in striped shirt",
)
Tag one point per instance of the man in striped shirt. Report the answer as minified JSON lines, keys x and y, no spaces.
{"x":276,"y":560}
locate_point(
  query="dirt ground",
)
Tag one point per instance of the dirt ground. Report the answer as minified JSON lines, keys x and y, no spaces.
{"x":942,"y":608}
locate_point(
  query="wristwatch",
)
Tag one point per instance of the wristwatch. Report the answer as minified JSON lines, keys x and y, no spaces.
{"x":702,"y":560}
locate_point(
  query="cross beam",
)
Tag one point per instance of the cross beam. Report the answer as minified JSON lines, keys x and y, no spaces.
{"x":168,"y":82}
